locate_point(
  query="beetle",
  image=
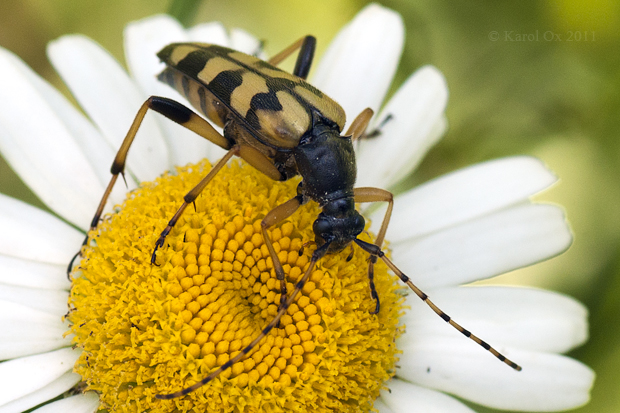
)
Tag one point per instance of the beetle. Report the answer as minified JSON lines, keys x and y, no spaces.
{"x":282,"y":126}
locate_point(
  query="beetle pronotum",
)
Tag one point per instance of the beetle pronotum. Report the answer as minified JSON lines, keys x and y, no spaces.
{"x":284,"y":127}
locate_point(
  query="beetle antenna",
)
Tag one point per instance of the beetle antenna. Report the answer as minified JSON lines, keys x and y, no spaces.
{"x":374,"y":250}
{"x":317,"y":255}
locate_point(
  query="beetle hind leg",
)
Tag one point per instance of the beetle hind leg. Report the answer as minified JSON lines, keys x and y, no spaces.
{"x":307,"y":46}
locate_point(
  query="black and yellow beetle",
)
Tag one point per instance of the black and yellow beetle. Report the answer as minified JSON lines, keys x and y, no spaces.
{"x":283,"y":126}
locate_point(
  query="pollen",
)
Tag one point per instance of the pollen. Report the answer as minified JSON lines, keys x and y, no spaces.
{"x":148,"y":330}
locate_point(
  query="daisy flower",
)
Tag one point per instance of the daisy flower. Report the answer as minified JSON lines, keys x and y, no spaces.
{"x":134,"y":331}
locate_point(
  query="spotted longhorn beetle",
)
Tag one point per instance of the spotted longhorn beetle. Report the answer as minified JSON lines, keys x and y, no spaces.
{"x":282,"y":126}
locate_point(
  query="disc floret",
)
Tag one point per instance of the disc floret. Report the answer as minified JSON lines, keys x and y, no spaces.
{"x":148,"y":330}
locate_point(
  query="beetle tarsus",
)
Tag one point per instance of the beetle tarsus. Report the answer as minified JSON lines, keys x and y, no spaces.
{"x":70,"y":266}
{"x":160,"y":243}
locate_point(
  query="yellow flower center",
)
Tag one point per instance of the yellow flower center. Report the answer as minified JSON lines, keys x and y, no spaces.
{"x":147,"y":330}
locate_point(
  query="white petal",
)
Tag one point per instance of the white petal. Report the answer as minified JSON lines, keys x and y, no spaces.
{"x":503,"y":241}
{"x":25,"y":331}
{"x":35,"y":235}
{"x":244,"y":42}
{"x":143,"y":40}
{"x":97,"y":150}
{"x":36,"y":127}
{"x":404,"y":397}
{"x":212,"y":32}
{"x":359,"y":64}
{"x":25,"y":375}
{"x":526,"y":318}
{"x":464,"y":195}
{"x":50,"y":301}
{"x":81,"y":131}
{"x":379,"y":406}
{"x":111,"y":100}
{"x":415,"y":111}
{"x":56,"y":387}
{"x":82,"y":403}
{"x":548,"y":382}
{"x":27,"y":273}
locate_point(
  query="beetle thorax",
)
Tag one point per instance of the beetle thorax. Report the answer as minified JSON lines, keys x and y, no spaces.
{"x":326,"y":163}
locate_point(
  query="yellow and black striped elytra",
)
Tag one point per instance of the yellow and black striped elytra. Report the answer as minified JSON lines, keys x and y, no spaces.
{"x":275,"y":106}
{"x":283,"y":126}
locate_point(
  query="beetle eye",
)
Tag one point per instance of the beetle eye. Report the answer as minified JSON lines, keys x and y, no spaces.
{"x":322,"y":226}
{"x":359,"y":223}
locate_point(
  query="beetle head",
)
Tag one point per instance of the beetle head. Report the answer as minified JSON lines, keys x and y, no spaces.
{"x":339,"y":224}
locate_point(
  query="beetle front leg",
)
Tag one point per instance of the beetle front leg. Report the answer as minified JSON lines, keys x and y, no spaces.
{"x":376,"y":195}
{"x":274,"y":217}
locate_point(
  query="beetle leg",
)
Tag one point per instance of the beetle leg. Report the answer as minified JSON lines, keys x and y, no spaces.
{"x":259,"y":161}
{"x":377,"y":130}
{"x":375,"y":251}
{"x":273,"y":217}
{"x":304,"y":58}
{"x":173,"y":111}
{"x":317,"y":255}
{"x":191,"y":196}
{"x":359,"y":124}
{"x":376,"y":195}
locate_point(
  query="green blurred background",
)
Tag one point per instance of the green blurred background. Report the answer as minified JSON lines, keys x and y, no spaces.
{"x":557,"y":100}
